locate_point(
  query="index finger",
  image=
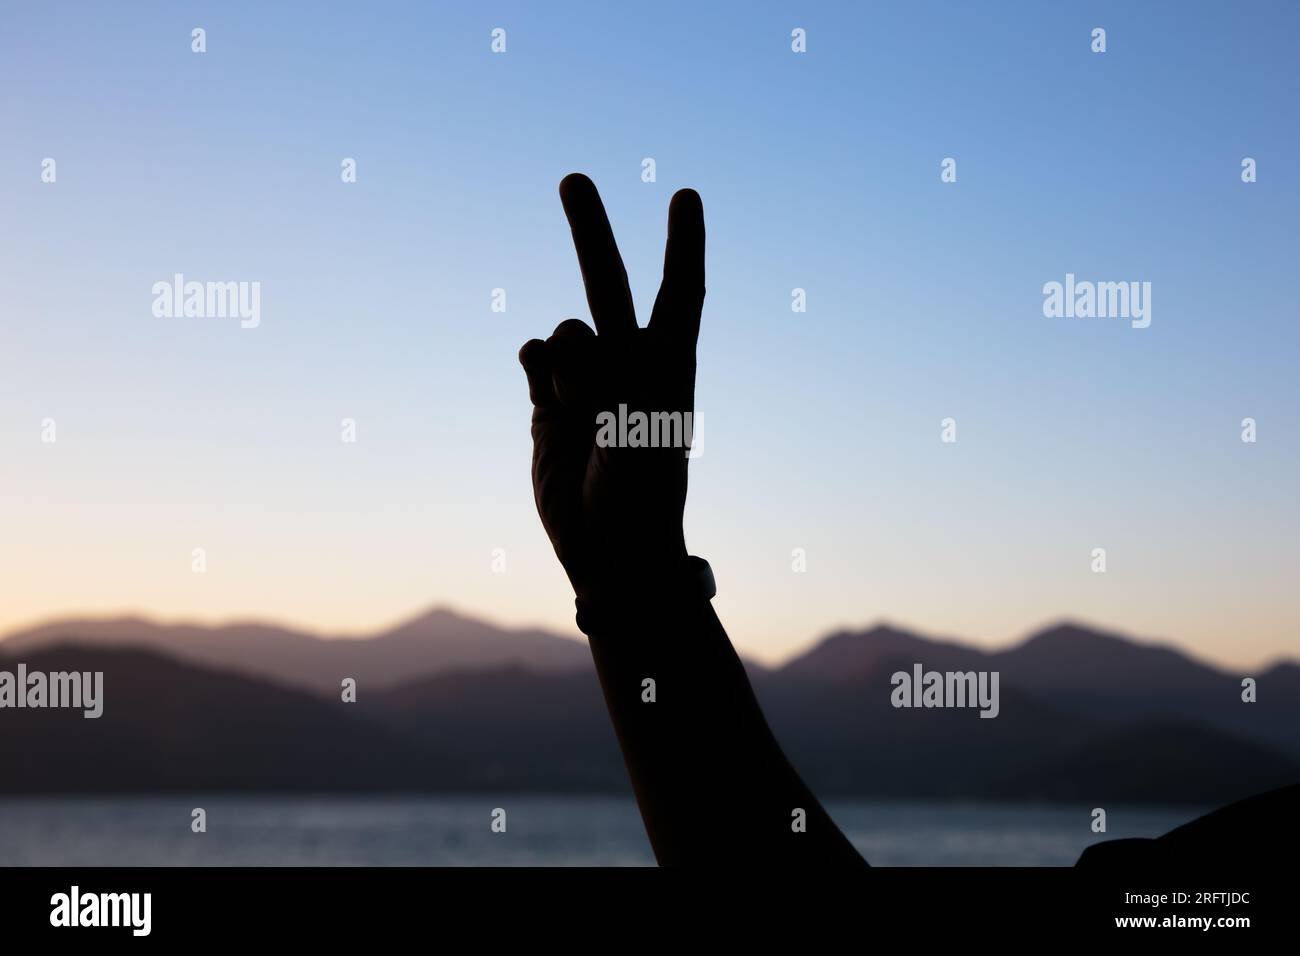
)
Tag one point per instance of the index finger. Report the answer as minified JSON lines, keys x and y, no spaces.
{"x":603,"y":273}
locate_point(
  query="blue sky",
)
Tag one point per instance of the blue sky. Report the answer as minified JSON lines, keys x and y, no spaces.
{"x":820,"y":429}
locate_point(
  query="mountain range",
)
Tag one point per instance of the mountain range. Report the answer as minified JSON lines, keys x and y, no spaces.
{"x":446,"y":702}
{"x":429,"y":643}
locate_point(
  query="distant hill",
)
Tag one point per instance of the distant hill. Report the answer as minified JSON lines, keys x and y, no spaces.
{"x":848,"y":655}
{"x":430,"y":643}
{"x":1104,"y":678}
{"x":546,"y":732}
{"x":170,"y":725}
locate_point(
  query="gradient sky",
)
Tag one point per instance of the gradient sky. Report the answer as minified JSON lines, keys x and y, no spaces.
{"x":820,"y":430}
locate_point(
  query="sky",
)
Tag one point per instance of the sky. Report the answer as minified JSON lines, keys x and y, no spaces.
{"x":819,"y":430}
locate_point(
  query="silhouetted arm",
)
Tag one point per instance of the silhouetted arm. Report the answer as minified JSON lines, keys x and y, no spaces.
{"x":711,"y":782}
{"x":710,"y":779}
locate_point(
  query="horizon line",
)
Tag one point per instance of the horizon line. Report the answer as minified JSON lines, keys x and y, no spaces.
{"x":106,"y":617}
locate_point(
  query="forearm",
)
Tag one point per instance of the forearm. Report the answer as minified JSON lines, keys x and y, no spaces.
{"x":711,"y":781}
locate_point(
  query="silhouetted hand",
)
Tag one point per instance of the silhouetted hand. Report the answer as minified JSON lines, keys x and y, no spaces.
{"x":614,"y":514}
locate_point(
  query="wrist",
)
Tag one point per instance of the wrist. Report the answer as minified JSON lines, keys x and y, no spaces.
{"x":665,"y":591}
{"x":621,"y":572}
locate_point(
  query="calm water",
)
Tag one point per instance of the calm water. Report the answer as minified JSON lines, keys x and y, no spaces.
{"x":540,"y":831}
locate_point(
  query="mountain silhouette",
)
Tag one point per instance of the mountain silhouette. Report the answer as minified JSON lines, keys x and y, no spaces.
{"x":1101,"y":677}
{"x":429,"y":643}
{"x":848,"y":655}
{"x":169,"y":726}
{"x":172,"y":725}
{"x":546,"y":732}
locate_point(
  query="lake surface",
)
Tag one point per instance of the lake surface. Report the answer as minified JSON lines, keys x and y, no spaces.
{"x":540,"y":831}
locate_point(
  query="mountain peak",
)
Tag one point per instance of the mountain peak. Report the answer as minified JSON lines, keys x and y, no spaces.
{"x":1068,"y":631}
{"x":851,"y":654}
{"x":439,"y":614}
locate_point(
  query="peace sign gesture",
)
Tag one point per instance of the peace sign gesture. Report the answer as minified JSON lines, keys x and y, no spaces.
{"x":611,"y":499}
